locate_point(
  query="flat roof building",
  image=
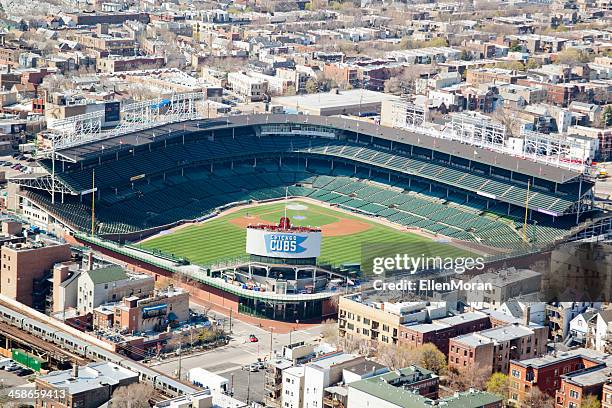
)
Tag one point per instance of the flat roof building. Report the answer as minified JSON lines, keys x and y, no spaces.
{"x":336,"y":102}
{"x":89,"y":386}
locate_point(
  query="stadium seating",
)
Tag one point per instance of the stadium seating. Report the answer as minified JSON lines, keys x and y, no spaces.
{"x":142,"y":189}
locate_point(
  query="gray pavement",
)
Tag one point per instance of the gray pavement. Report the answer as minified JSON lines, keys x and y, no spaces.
{"x":239,"y":352}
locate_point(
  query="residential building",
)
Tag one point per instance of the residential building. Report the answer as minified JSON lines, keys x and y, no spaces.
{"x":89,"y":386}
{"x":293,"y":387}
{"x":440,"y":331}
{"x":546,"y":372}
{"x":274,"y":384}
{"x":491,"y":350}
{"x":324,"y":371}
{"x":507,"y":284}
{"x":25,"y":268}
{"x":202,"y":399}
{"x":250,"y":88}
{"x":109,"y":284}
{"x":394,"y":390}
{"x":492,"y":76}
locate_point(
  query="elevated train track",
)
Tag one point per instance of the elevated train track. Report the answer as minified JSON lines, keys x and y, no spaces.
{"x":16,"y":318}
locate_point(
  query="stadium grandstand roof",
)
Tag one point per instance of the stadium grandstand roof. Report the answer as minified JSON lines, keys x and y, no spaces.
{"x":512,"y":163}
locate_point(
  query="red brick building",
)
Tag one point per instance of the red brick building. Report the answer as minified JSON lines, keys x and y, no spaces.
{"x":491,"y":350}
{"x":557,"y":376}
{"x":441,"y":331}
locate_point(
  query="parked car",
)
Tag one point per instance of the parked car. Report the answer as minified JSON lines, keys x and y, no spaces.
{"x":253,"y":368}
{"x":22,"y":372}
{"x":11,"y":367}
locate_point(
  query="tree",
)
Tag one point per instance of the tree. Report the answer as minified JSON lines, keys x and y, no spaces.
{"x":430,"y":358}
{"x":393,"y":85}
{"x":460,"y":380}
{"x":499,"y":384}
{"x":135,"y":395}
{"x":290,"y":90}
{"x":590,"y":401}
{"x":607,"y":116}
{"x":329,"y":331}
{"x":537,"y":399}
{"x":312,"y":86}
{"x":532,"y":64}
{"x":513,"y":65}
{"x":572,"y":56}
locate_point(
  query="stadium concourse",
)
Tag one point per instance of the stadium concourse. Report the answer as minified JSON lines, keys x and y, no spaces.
{"x":157,"y":178}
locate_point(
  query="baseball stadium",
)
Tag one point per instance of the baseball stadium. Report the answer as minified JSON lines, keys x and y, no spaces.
{"x":187,"y":193}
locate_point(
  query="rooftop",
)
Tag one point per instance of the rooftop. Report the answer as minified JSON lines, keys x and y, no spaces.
{"x":90,"y":377}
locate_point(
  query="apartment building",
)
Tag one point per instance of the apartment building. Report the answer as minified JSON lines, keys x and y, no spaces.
{"x":440,"y":331}
{"x":606,"y":397}
{"x":360,"y":317}
{"x":324,"y":371}
{"x":292,"y":395}
{"x":252,"y":89}
{"x":400,"y":389}
{"x":567,"y":376}
{"x":492,"y":76}
{"x":507,"y":284}
{"x":109,"y":284}
{"x":491,"y":350}
{"x":25,"y":268}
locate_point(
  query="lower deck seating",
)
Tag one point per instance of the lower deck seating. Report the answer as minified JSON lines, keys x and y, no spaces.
{"x":194,"y":194}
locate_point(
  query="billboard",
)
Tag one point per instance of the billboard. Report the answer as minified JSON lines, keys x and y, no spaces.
{"x":303,"y":244}
{"x":112,"y":112}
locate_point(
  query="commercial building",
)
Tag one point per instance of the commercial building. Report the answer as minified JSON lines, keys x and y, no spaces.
{"x":491,"y":350}
{"x":85,"y":387}
{"x":351,"y":102}
{"x":361,"y":317}
{"x":25,"y":268}
{"x":144,"y":313}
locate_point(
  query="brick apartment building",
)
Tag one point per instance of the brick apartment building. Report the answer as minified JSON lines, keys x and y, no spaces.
{"x":566,"y":376}
{"x":606,"y":397}
{"x":492,"y":76}
{"x":440,"y":331}
{"x":25,"y":266}
{"x":491,"y":350}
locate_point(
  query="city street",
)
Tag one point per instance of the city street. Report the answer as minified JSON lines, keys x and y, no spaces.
{"x":228,"y":360}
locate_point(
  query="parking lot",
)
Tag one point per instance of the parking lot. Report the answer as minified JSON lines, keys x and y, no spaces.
{"x":247,"y":385}
{"x":17,"y":164}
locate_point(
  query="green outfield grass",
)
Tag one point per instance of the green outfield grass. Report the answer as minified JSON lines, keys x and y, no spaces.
{"x":219,"y":239}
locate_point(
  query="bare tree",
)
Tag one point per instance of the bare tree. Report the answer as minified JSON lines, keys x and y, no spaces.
{"x":135,"y":395}
{"x":537,"y":399}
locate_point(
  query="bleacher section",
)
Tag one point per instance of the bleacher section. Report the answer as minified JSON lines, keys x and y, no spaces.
{"x":120,"y":168}
{"x":197,"y":192}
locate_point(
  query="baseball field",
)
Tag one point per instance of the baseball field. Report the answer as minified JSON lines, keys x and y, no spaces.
{"x":224,"y":236}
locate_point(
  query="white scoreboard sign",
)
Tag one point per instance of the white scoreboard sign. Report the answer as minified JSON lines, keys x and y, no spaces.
{"x":283,"y":244}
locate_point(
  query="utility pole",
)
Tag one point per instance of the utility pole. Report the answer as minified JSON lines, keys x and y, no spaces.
{"x":230,"y":322}
{"x":271,"y":333}
{"x":248,"y":387}
{"x":179,"y":363}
